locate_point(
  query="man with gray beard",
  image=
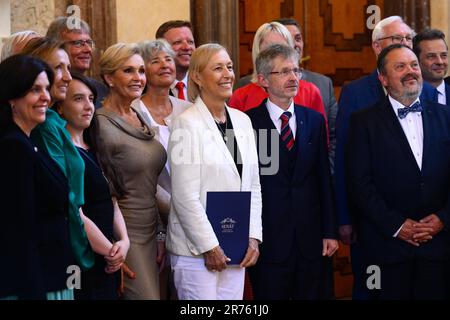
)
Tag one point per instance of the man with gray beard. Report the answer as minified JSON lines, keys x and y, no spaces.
{"x":398,"y":173}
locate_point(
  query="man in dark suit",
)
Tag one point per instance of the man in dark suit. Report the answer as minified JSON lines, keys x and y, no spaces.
{"x":322,"y":82}
{"x":432,"y":51}
{"x":357,"y":95}
{"x":298,"y":218}
{"x":398,"y":173}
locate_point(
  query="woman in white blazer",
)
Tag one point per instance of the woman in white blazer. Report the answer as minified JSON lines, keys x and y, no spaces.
{"x":201,"y":160}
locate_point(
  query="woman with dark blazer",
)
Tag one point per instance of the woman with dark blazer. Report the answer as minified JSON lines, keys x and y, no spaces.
{"x":33,"y":191}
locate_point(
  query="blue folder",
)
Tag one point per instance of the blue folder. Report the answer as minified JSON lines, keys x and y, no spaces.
{"x":229,"y":215}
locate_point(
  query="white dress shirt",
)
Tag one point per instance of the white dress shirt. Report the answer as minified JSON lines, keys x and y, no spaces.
{"x":413,"y":128}
{"x":442,"y":98}
{"x":174,"y":90}
{"x":275,"y":113}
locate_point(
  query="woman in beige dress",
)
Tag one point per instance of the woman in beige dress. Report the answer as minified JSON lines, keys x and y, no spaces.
{"x":132,"y":160}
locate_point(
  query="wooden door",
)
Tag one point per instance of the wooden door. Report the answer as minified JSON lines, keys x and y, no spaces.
{"x":337,"y":44}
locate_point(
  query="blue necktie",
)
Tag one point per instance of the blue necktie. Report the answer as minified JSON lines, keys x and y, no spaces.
{"x":416,"y":107}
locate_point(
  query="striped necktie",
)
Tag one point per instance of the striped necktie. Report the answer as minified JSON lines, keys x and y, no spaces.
{"x":286,"y":133}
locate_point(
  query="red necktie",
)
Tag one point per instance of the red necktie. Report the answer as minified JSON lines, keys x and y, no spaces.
{"x":286,"y":133}
{"x":180,"y":88}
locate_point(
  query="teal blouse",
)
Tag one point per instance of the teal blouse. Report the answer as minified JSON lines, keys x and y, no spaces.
{"x":53,"y":137}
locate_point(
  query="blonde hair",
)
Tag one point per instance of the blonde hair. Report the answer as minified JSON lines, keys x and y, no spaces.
{"x":115,"y":56}
{"x":261,"y":33}
{"x":199,"y":60}
{"x":43,"y":47}
{"x":15,"y":41}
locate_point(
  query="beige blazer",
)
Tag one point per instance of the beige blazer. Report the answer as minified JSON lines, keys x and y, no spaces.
{"x":201,"y":162}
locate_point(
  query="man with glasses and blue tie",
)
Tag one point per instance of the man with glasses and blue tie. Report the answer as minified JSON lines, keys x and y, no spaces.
{"x":397,"y":173}
{"x":356,"y":95}
{"x":79,"y":46}
{"x":298,"y":217}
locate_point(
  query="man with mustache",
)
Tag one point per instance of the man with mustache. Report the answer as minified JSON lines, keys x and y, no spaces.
{"x":397,"y":173}
{"x":298,"y":218}
{"x":180,"y":36}
{"x":432,"y":51}
{"x":356,"y":95}
{"x":79,"y":46}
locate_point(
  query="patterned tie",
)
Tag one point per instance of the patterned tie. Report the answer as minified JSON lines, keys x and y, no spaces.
{"x":286,"y":133}
{"x":416,"y":107}
{"x":180,"y":88}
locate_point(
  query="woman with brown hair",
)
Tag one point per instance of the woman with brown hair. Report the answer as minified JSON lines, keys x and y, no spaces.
{"x":100,"y":282}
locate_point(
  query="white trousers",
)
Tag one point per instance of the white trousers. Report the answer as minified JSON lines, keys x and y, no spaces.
{"x":194,"y":282}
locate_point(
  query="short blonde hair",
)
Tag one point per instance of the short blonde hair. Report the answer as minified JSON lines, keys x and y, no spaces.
{"x":261,"y":33}
{"x":115,"y":56}
{"x":16,"y":40}
{"x":199,"y":61}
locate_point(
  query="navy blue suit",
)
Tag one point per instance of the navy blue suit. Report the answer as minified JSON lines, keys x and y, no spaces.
{"x":34,"y":195}
{"x":447,"y":80}
{"x":386,"y":186}
{"x":357,"y":95}
{"x":297,"y":209}
{"x":447,"y":94}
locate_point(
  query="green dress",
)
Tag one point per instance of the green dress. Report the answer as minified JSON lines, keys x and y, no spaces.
{"x":53,"y":137}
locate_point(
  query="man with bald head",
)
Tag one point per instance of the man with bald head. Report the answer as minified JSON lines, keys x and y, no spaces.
{"x":356,"y":95}
{"x":397,"y":172}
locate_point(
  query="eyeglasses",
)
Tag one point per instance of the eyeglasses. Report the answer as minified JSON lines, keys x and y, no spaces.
{"x":286,"y":72}
{"x":80,"y":43}
{"x":398,"y":39}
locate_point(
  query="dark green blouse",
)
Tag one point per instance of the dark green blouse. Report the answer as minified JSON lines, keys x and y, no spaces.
{"x":53,"y":137}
